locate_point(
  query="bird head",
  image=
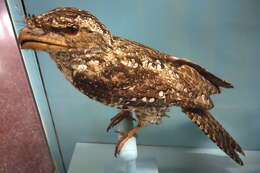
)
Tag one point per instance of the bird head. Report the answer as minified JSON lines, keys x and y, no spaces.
{"x":64,"y":28}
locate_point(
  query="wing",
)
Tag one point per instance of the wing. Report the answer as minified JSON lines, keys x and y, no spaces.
{"x":176,"y":62}
{"x":188,"y":80}
{"x":136,"y":75}
{"x":152,"y":82}
{"x":216,"y":81}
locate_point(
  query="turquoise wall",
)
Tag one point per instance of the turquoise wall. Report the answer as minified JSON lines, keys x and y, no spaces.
{"x":222,"y":35}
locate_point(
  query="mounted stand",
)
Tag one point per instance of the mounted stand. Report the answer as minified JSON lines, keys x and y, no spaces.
{"x":129,"y":151}
{"x":127,"y":161}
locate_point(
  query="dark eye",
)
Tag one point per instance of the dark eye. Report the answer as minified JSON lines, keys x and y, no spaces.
{"x":72,"y":30}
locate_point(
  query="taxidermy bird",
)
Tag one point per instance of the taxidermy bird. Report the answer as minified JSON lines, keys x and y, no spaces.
{"x":127,"y":75}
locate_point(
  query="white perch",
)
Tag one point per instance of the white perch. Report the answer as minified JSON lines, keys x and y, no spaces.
{"x":128,"y":152}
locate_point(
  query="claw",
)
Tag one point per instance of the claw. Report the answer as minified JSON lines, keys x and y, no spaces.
{"x":118,"y":118}
{"x":120,"y":144}
{"x":125,"y":137}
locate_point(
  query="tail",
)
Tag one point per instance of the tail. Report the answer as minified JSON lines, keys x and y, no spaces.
{"x":213,"y":129}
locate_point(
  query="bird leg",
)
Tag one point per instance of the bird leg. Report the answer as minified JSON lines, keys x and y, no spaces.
{"x":118,"y":118}
{"x":125,"y":137}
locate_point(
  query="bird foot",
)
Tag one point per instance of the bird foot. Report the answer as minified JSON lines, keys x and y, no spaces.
{"x":118,"y":118}
{"x":125,"y":137}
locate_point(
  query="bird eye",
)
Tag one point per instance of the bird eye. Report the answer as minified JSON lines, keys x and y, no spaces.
{"x":72,"y":30}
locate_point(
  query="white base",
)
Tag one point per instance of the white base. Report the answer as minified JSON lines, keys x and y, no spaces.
{"x":142,"y":166}
{"x":98,"y":158}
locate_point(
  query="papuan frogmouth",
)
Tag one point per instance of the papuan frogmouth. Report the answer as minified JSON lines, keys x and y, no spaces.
{"x":126,"y":74}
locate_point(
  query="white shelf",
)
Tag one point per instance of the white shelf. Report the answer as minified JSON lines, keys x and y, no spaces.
{"x":98,"y":158}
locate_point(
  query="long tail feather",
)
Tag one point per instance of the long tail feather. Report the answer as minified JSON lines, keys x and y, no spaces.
{"x":214,"y":130}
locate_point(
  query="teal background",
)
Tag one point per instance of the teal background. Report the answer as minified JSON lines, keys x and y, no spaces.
{"x":221,"y":35}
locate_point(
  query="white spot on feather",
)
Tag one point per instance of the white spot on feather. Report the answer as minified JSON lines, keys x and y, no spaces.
{"x":158,"y":67}
{"x":177,"y":76}
{"x":96,"y":62}
{"x":133,"y":99}
{"x":150,"y":65}
{"x":81,"y":67}
{"x":151,"y":100}
{"x":179,"y":86}
{"x":124,"y":62}
{"x":161,"y":93}
{"x":130,"y":64}
{"x":135,"y":65}
{"x":131,"y":88}
{"x":93,"y":62}
{"x":144,"y":63}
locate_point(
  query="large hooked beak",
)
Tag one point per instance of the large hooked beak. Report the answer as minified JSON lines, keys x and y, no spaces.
{"x":37,"y":39}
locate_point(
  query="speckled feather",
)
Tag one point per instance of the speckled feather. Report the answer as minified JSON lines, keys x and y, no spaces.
{"x":130,"y":76}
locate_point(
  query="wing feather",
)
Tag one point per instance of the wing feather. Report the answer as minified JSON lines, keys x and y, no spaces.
{"x":218,"y":82}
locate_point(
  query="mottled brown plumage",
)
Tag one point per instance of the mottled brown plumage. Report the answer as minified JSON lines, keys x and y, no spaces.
{"x":127,"y":75}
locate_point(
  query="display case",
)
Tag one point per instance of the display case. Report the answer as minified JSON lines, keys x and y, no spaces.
{"x":222,"y":36}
